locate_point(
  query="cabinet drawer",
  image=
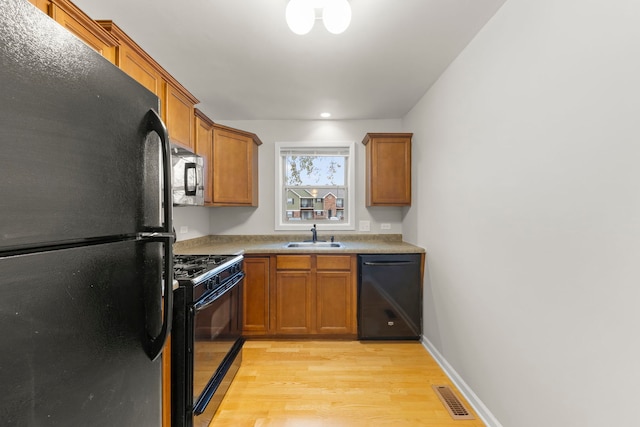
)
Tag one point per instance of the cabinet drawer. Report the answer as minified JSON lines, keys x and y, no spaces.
{"x":333,"y":262}
{"x":293,"y":262}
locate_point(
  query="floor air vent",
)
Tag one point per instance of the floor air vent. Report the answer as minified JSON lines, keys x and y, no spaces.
{"x":456,"y":408}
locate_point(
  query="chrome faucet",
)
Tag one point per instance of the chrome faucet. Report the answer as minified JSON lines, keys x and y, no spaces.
{"x":314,"y":234}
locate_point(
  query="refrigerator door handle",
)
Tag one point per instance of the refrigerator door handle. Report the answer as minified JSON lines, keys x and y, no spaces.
{"x":153,"y":345}
{"x":154,"y":123}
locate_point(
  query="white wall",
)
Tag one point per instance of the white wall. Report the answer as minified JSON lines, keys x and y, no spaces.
{"x":261,"y":220}
{"x":190,"y":222}
{"x":528,"y":203}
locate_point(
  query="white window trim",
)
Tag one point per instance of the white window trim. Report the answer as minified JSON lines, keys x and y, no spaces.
{"x":350,"y":206}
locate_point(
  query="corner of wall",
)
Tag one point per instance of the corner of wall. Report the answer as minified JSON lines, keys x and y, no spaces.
{"x":478,"y":406}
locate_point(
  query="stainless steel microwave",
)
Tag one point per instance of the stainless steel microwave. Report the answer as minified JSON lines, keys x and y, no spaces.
{"x":187,"y":177}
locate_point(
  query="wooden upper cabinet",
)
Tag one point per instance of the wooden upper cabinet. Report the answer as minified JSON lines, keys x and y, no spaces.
{"x":176,"y":103}
{"x":388,"y":169}
{"x":235,"y":167}
{"x":78,"y":23}
{"x":178,"y":114}
{"x":43,"y":5}
{"x":204,"y":147}
{"x":134,"y":61}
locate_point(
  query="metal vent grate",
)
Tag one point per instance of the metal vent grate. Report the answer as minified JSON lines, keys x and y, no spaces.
{"x":456,"y":408}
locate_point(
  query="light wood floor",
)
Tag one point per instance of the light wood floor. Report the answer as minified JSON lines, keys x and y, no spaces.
{"x":336,"y":384}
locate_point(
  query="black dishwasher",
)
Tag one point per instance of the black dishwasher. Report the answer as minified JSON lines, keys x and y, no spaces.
{"x":389,"y":297}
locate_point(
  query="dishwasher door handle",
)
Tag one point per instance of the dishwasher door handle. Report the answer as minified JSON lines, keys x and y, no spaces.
{"x":388,"y":263}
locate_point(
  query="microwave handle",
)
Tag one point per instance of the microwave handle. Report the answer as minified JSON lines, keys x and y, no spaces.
{"x":190,"y":167}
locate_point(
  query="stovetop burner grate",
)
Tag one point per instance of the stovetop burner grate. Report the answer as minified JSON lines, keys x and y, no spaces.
{"x":192,"y":266}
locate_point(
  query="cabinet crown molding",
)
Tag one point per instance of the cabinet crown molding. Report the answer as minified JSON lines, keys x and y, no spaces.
{"x":369,"y":136}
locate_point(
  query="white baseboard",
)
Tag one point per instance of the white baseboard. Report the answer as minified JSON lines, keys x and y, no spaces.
{"x":483,"y":412}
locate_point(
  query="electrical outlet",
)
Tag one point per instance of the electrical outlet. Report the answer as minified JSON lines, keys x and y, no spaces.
{"x":184,"y":229}
{"x":365,"y":226}
{"x":385,"y":226}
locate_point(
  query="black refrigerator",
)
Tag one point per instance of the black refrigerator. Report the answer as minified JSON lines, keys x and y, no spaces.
{"x":85,"y":242}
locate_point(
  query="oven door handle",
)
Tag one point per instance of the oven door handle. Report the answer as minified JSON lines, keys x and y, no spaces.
{"x":208,"y":300}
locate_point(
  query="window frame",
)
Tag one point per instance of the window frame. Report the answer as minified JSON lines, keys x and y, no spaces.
{"x":350,"y":184}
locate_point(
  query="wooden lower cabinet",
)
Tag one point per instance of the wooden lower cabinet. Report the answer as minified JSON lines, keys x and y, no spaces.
{"x":310,"y":295}
{"x":166,"y":384}
{"x":336,"y":294}
{"x":333,"y":302}
{"x":293,"y":303}
{"x":255,"y":297}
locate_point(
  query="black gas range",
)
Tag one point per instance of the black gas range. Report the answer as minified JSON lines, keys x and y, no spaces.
{"x":207,"y":341}
{"x":205,"y":273}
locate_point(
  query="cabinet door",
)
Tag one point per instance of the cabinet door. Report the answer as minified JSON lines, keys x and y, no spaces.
{"x":293,"y":298}
{"x":255,"y":307}
{"x":204,"y":147}
{"x":141,"y":70}
{"x":43,"y":5}
{"x":179,"y":116}
{"x":388,"y":169}
{"x":84,"y":28}
{"x":333,"y":302}
{"x":235,"y":169}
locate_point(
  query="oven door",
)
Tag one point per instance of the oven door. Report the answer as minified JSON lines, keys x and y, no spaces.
{"x":217,"y":345}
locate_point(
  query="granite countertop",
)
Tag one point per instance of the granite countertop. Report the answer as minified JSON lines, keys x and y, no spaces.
{"x":274,"y":244}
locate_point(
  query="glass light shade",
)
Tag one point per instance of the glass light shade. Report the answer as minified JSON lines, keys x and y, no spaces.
{"x":300,"y":16}
{"x":336,"y":15}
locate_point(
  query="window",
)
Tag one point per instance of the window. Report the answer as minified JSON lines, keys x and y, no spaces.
{"x":315,"y":185}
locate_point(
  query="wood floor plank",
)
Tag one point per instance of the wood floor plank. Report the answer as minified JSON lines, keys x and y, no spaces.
{"x":336,"y":384}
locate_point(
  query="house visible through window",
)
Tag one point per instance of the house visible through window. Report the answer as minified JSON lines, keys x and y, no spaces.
{"x":315,"y":185}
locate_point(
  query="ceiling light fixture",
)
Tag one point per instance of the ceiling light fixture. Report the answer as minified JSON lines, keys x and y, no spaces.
{"x":301,"y":15}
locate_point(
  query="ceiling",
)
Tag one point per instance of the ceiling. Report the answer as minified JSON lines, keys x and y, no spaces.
{"x":241,"y":61}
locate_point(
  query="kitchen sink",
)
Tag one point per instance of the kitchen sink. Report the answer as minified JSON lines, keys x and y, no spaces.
{"x":314,"y":245}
